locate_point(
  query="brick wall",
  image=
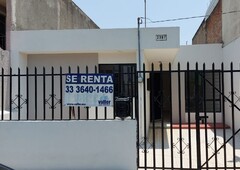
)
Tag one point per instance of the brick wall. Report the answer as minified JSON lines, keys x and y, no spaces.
{"x":210,"y":31}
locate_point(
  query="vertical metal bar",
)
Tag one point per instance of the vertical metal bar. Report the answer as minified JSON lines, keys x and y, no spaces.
{"x":96,"y":108}
{"x":162,"y":117}
{"x":171,"y":116}
{"x":197,"y":118}
{"x":27,"y":90}
{"x":114,"y":89}
{"x":79,"y":109}
{"x":71,"y":108}
{"x":105,"y":113}
{"x":44,"y":93}
{"x":10,"y":94}
{"x":180,"y":116}
{"x":205,"y":113}
{"x":153,"y":116}
{"x":127,"y":75}
{"x":2,"y":98}
{"x":189,"y":115}
{"x":137,"y":116}
{"x":214,"y":114}
{"x":132,"y":91}
{"x":19,"y":94}
{"x":87,"y":106}
{"x":61,"y":94}
{"x":53,"y":107}
{"x":233,"y":117}
{"x":224,"y":116}
{"x":145,"y":117}
{"x":35,"y":77}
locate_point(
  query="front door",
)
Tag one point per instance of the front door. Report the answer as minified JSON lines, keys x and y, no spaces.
{"x":160,"y":96}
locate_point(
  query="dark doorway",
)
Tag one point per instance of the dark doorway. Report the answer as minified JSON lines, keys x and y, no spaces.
{"x":124,"y":87}
{"x":160,"y":91}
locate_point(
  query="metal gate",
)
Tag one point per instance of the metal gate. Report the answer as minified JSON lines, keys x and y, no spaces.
{"x":199,"y":129}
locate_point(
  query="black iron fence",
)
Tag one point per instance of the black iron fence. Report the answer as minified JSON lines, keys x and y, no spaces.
{"x":191,"y":121}
{"x":38,"y":94}
{"x":186,"y":118}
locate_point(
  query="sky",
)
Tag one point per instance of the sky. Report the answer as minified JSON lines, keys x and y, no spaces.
{"x":124,"y":14}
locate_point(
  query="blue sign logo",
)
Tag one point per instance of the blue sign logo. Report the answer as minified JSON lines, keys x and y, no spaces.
{"x":104,"y":101}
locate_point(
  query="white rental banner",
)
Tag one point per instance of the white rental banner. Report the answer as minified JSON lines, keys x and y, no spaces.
{"x":89,"y":90}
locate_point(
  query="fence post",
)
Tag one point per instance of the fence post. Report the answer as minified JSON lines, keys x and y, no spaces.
{"x":2,"y":91}
{"x":197,"y":118}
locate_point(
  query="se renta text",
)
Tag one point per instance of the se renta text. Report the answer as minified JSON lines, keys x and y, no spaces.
{"x":89,"y":79}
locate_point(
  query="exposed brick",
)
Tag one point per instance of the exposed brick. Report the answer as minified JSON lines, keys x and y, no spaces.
{"x":210,"y":30}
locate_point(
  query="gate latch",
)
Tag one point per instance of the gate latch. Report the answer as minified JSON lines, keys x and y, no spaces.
{"x":203,"y":119}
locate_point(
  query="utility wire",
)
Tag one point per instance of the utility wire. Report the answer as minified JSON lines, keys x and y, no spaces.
{"x":187,"y":18}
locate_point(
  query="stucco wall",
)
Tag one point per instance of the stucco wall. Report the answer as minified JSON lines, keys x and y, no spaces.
{"x":55,"y":60}
{"x":117,"y":57}
{"x":86,"y":145}
{"x":231,"y":21}
{"x":193,"y":54}
{"x":65,"y":60}
{"x":231,"y":55}
{"x":48,"y":15}
{"x":87,"y":41}
{"x":205,"y":53}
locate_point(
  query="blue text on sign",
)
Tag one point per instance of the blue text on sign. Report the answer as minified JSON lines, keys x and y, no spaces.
{"x":89,"y":79}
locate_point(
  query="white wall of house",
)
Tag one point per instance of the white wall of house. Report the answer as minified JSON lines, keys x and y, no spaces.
{"x":95,"y":145}
{"x":56,"y":61}
{"x":117,"y":46}
{"x":231,"y":55}
{"x":204,"y":53}
{"x":34,"y":48}
{"x":112,"y":45}
{"x":117,"y":57}
{"x":90,"y":41}
{"x":208,"y":54}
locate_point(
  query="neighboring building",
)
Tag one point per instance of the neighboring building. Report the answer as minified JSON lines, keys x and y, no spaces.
{"x":210,"y":30}
{"x":230,"y":21}
{"x":221,"y":24}
{"x":16,"y":15}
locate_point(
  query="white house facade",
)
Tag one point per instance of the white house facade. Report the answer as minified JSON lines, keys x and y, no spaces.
{"x":162,"y":84}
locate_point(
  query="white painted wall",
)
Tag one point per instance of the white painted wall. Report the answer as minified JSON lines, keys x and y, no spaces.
{"x":48,"y":61}
{"x":204,"y":53}
{"x":93,"y":145}
{"x":88,"y":41}
{"x":208,"y":54}
{"x":231,"y":55}
{"x":112,"y":45}
{"x":117,"y":57}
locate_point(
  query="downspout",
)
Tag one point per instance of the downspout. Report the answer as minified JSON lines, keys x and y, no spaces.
{"x":145,"y":12}
{"x":139,"y":21}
